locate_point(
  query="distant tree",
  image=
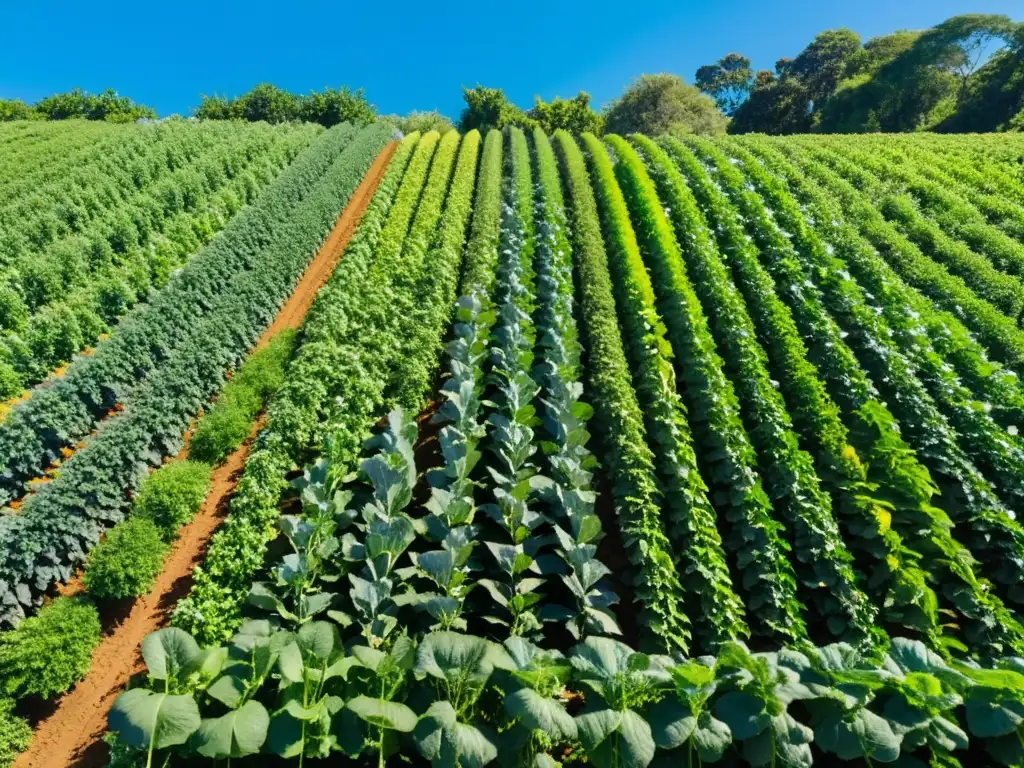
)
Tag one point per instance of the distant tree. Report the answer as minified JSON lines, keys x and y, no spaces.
{"x":782,"y":66}
{"x":763,"y":78}
{"x":728,"y":81}
{"x":488,"y":108}
{"x":420,"y":121}
{"x":657,"y":104}
{"x":76,"y":103}
{"x":271,"y":104}
{"x":573,"y":115}
{"x":332,"y":106}
{"x":994,"y":99}
{"x":216,"y":108}
{"x":780,"y":107}
{"x":961,"y":45}
{"x":879,"y":51}
{"x":822,"y":64}
{"x":15,"y":109}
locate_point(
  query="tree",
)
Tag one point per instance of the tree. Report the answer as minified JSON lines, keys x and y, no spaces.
{"x":420,"y":121}
{"x":657,"y":104}
{"x":822,"y":64}
{"x":780,"y":107}
{"x":76,"y":103}
{"x":15,"y":109}
{"x":488,"y":108}
{"x":728,"y":81}
{"x":961,"y":44}
{"x":332,"y":106}
{"x":274,"y":105}
{"x":573,"y":115}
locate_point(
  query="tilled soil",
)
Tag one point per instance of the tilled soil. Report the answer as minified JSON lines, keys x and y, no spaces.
{"x":72,"y":734}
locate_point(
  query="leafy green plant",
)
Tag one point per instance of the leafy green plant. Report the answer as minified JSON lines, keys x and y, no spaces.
{"x":229,"y":422}
{"x":172,"y":494}
{"x":127,"y":561}
{"x":15,"y":733}
{"x":48,"y":653}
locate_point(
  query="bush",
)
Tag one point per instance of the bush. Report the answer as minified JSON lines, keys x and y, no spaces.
{"x":15,"y":734}
{"x":127,"y":561}
{"x":51,"y":651}
{"x":172,"y":495}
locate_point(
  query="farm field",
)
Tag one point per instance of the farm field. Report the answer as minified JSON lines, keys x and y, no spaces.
{"x":636,"y":451}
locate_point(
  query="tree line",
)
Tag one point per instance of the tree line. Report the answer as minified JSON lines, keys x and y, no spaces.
{"x":963,"y":75}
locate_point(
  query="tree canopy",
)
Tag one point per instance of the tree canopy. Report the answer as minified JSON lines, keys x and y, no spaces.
{"x":77,"y":104}
{"x":657,"y":104}
{"x":728,"y":81}
{"x":966,"y":73}
{"x":274,"y":105}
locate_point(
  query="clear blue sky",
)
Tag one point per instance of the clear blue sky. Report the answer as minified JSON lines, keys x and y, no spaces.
{"x":415,"y":55}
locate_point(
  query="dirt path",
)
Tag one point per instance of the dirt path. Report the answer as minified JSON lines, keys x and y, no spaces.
{"x":72,"y":734}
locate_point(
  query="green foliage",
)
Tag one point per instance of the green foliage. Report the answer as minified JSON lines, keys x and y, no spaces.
{"x":48,"y":653}
{"x":598,"y":207}
{"x":76,"y":103}
{"x":690,"y":518}
{"x":172,"y":494}
{"x":488,"y":109}
{"x":224,"y":297}
{"x":658,"y":104}
{"x":341,"y":369}
{"x":221,"y":430}
{"x":15,"y":733}
{"x":963,"y":74}
{"x":127,"y":561}
{"x":574,"y":115}
{"x":271,"y":104}
{"x":728,"y":81}
{"x":420,"y":122}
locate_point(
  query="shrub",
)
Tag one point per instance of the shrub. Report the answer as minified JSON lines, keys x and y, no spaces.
{"x":172,"y":495}
{"x":127,"y":561}
{"x":51,"y":651}
{"x":15,"y":734}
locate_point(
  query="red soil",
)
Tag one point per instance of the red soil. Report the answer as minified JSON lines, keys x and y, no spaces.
{"x":72,"y":734}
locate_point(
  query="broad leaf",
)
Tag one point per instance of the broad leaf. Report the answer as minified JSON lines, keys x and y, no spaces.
{"x":238,"y":733}
{"x":168,"y":652}
{"x":145,"y":719}
{"x":384,"y":714}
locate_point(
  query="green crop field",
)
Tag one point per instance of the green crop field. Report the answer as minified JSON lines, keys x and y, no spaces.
{"x":625,"y":451}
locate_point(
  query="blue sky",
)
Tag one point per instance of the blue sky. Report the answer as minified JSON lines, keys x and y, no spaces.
{"x":415,"y":55}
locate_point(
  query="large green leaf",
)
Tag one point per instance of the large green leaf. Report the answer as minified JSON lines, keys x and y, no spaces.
{"x":450,"y":656}
{"x":785,"y":742}
{"x":384,"y":714}
{"x":744,"y":714}
{"x":861,"y":733}
{"x":145,"y":719}
{"x":445,"y":741}
{"x":169,"y":651}
{"x":319,"y":638}
{"x":990,"y":714}
{"x":616,"y":739}
{"x":236,"y":734}
{"x":541,"y":713}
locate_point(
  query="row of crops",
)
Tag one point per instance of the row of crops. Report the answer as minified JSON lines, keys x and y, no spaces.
{"x":632,"y":451}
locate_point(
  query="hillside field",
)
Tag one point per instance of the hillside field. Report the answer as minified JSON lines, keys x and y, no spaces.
{"x":628,"y":451}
